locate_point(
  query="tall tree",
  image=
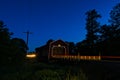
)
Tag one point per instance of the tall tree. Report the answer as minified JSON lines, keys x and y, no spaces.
{"x":11,"y":50}
{"x":4,"y":43}
{"x":4,"y":34}
{"x":92,"y":26}
{"x":115,"y":20}
{"x":111,"y":33}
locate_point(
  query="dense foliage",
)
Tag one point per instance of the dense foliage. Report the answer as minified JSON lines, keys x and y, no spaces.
{"x":12,"y":50}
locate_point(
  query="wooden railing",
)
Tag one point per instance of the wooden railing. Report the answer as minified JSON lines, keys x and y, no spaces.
{"x":78,"y":57}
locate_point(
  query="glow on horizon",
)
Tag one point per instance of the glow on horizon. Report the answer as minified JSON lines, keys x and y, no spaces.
{"x":31,"y":55}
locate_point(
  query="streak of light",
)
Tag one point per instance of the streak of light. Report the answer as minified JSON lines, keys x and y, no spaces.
{"x":31,"y":55}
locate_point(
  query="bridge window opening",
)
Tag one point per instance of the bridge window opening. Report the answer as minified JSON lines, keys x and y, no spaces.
{"x":58,"y":50}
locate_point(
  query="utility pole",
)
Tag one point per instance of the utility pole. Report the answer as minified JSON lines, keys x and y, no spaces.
{"x":27,"y":34}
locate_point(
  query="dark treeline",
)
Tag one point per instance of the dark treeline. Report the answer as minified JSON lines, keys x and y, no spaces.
{"x":12,"y":50}
{"x":100,"y":39}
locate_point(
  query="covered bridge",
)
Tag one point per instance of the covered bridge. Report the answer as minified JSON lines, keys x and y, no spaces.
{"x":58,"y":48}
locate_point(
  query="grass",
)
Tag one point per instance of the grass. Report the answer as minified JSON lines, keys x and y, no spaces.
{"x":84,"y":70}
{"x":42,"y":71}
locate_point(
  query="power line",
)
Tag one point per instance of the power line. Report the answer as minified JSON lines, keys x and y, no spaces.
{"x":27,"y":36}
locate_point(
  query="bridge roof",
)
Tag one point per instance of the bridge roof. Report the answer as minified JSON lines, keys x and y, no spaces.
{"x":61,"y":42}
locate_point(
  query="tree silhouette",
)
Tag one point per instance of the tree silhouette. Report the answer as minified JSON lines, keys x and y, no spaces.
{"x":115,"y":20}
{"x":110,"y":34}
{"x":72,"y":48}
{"x":92,"y":26}
{"x":82,"y":48}
{"x":106,"y":32}
{"x":11,"y":50}
{"x":18,"y":49}
{"x":4,"y":43}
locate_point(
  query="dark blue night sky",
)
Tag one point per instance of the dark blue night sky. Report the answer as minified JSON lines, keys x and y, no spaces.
{"x":51,"y":19}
